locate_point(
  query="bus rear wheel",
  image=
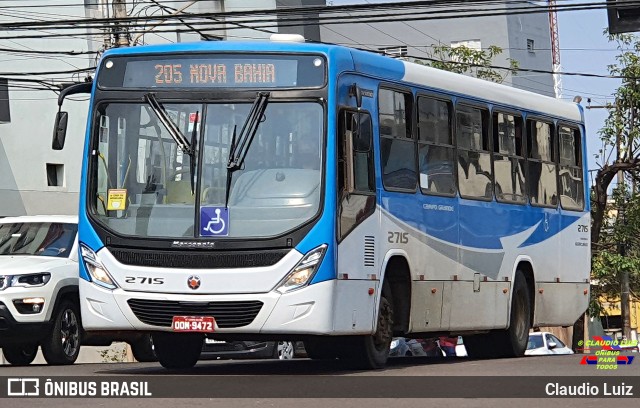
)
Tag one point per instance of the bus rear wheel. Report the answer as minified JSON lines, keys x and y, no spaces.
{"x":177,"y":350}
{"x":511,"y":342}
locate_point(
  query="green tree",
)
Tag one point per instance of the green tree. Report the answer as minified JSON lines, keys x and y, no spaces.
{"x":469,"y":61}
{"x":615,"y":229}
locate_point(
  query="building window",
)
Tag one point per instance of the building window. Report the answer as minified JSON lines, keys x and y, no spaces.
{"x":530,"y":45}
{"x":435,"y":147}
{"x":55,"y":175}
{"x":5,"y":114}
{"x":397,"y":148}
{"x":471,"y":44}
{"x":542,"y":164}
{"x":474,"y":157}
{"x":508,"y":158}
{"x":397,"y":51}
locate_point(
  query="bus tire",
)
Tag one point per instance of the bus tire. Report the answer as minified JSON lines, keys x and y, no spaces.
{"x":513,"y":341}
{"x":372,"y":352}
{"x":143,"y":349}
{"x":177,"y":350}
{"x":20,"y":354}
{"x":321,"y":349}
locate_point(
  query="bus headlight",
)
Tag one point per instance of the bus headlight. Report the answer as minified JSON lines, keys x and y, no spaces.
{"x":302,"y":273}
{"x":98,"y":272}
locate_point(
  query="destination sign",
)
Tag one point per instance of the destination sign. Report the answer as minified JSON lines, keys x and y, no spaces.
{"x":213,"y":71}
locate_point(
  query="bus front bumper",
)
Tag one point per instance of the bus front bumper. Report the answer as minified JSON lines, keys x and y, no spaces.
{"x":306,"y":311}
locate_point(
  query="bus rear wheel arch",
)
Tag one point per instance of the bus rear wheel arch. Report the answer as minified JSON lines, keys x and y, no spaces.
{"x":510,"y":342}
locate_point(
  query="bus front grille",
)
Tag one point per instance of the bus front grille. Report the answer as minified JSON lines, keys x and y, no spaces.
{"x":197,"y":260}
{"x":227,"y":314}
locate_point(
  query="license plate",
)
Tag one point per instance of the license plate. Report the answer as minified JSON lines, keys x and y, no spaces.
{"x":213,"y":341}
{"x":202,"y":324}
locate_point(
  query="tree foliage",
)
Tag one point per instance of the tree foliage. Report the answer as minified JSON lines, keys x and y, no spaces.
{"x":616,"y":218}
{"x":469,"y":61}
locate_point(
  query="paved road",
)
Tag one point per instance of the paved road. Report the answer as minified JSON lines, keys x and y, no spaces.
{"x":243,"y":372}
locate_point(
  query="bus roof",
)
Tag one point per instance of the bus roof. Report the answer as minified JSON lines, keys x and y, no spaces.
{"x":386,"y":68}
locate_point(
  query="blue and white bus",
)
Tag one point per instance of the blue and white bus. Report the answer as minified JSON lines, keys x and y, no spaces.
{"x":286,"y":190}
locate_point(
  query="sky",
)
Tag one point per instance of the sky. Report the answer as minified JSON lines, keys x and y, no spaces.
{"x":584,"y":49}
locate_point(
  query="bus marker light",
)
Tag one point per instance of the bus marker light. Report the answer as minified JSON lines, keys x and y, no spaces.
{"x":486,"y":279}
{"x":455,"y":277}
{"x":344,"y":276}
{"x":434,"y":290}
{"x":505,"y":290}
{"x":421,"y":277}
{"x":371,"y":291}
{"x":586,"y":291}
{"x":541,"y":291}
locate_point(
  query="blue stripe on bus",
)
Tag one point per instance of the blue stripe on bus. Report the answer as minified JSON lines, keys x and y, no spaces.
{"x":475,"y":224}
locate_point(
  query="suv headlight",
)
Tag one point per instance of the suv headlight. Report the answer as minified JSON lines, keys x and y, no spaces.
{"x":97,"y":271}
{"x":302,"y":273}
{"x":28,"y":280}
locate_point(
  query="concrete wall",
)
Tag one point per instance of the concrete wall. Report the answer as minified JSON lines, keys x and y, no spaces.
{"x":25,"y":142}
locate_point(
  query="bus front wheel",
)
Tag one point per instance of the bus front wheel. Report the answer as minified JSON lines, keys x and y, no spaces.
{"x":177,"y":350}
{"x":372,"y":352}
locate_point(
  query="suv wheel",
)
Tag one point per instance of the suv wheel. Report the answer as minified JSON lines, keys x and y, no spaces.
{"x":20,"y":354}
{"x":63,"y":345}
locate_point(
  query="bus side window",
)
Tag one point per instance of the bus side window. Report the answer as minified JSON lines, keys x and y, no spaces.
{"x":435,"y":147}
{"x":397,"y":147}
{"x":474,"y":158}
{"x":570,"y":170}
{"x":542,"y":164}
{"x":356,"y":178}
{"x":508,"y":158}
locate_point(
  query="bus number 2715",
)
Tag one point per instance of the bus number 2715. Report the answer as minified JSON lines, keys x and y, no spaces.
{"x":395,"y":237}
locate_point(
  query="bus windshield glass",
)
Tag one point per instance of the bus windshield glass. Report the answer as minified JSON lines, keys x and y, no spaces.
{"x":144,"y":180}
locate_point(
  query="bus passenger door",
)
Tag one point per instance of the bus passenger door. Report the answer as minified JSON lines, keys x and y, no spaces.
{"x":356,"y":203}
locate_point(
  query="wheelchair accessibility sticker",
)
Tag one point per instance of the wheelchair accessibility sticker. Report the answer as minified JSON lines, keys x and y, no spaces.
{"x":214,"y":222}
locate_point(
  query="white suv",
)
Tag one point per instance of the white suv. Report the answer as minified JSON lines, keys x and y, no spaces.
{"x":39,"y":299}
{"x":39,"y":289}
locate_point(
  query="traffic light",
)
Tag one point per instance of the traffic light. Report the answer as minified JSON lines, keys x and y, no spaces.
{"x":623,"y":19}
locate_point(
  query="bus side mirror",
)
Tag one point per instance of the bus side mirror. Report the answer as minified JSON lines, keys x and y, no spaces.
{"x":59,"y":130}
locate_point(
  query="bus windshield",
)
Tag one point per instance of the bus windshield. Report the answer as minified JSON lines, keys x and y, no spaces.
{"x":143,"y":178}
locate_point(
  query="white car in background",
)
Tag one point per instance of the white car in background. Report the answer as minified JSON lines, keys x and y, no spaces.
{"x":544,"y":343}
{"x":39,"y":300}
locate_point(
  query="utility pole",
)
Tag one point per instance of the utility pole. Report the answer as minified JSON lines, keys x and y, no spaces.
{"x":120,"y":31}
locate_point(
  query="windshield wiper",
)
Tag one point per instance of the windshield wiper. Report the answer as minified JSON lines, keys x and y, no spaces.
{"x":240,"y":144}
{"x":166,"y":121}
{"x":192,"y":160}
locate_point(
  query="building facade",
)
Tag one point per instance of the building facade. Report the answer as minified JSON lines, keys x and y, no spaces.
{"x":35,"y":179}
{"x":525,"y":38}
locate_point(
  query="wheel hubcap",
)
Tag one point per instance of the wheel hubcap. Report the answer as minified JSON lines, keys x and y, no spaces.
{"x":69,"y":333}
{"x":285,"y":350}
